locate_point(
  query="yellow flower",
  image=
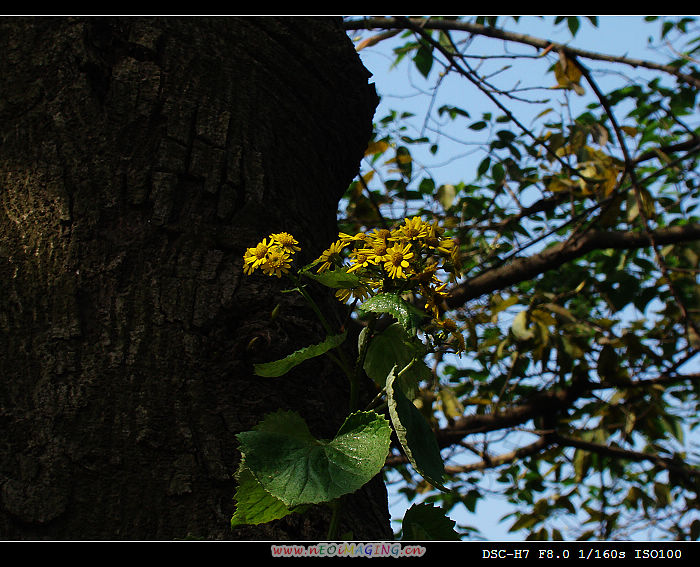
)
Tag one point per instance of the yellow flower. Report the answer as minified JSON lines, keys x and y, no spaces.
{"x":428,"y":275}
{"x":412,"y":229}
{"x":434,"y":238}
{"x":254,"y":257}
{"x":248,"y":261}
{"x":332,"y":256}
{"x":447,"y":324}
{"x":360,"y":292}
{"x":396,"y":260}
{"x":434,"y":297}
{"x":347,"y":239}
{"x":379,"y":235}
{"x":461,"y":344}
{"x":447,"y":246}
{"x":440,"y":290}
{"x":377,"y":253}
{"x":453,"y":263}
{"x":285,"y":241}
{"x":360,"y":258}
{"x":435,"y":230}
{"x":277,"y":262}
{"x":432,"y":307}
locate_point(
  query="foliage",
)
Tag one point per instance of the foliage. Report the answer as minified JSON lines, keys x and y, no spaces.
{"x":571,"y":205}
{"x":530,"y":317}
{"x":283,"y":468}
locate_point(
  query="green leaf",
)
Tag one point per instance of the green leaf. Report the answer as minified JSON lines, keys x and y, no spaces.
{"x":695,"y":530}
{"x":498,"y":172}
{"x":338,"y":279}
{"x":424,"y":59}
{"x":296,"y":468}
{"x":414,"y":433}
{"x":663,"y":494}
{"x":404,"y":161}
{"x":394,"y":347}
{"x":426,"y":186}
{"x":284,"y":365}
{"x":483,"y":166}
{"x":453,"y":111}
{"x":608,"y":363}
{"x":502,"y":305}
{"x":406,"y":314}
{"x":573,"y":23}
{"x":254,"y":505}
{"x":425,"y":522}
{"x":524,"y":522}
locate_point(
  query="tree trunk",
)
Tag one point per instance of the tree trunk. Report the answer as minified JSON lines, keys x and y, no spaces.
{"x":139,"y":158}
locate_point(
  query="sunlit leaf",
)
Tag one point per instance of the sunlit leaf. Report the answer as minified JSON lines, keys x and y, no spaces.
{"x":568,"y":74}
{"x":296,"y":468}
{"x":376,"y":147}
{"x":254,"y":505}
{"x":520,"y":328}
{"x":446,"y":195}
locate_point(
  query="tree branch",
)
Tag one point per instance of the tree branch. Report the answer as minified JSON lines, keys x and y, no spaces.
{"x":497,"y":33}
{"x":544,"y":403}
{"x":690,"y":145}
{"x":548,"y":402}
{"x":626,"y":454}
{"x":492,"y":462}
{"x":522,"y":269}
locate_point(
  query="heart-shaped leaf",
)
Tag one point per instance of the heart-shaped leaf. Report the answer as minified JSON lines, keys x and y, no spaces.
{"x":254,"y":505}
{"x":296,"y":468}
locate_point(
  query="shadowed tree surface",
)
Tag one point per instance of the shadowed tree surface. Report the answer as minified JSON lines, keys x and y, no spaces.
{"x":139,"y":158}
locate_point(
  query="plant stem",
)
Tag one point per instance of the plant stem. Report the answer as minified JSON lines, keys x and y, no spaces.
{"x":341,"y":360}
{"x":376,"y":400}
{"x":360,"y":362}
{"x":335,"y":520}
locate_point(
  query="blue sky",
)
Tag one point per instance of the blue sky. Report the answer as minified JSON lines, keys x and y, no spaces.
{"x":615,"y":35}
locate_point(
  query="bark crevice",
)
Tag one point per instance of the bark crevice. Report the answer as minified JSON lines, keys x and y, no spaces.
{"x":140,"y":157}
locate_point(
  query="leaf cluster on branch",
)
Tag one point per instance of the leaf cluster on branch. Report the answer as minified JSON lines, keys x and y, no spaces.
{"x":573,"y":202}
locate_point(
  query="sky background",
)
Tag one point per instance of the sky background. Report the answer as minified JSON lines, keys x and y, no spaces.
{"x":403,"y":88}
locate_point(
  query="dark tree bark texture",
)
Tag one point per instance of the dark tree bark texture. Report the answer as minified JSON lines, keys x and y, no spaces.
{"x":139,"y":157}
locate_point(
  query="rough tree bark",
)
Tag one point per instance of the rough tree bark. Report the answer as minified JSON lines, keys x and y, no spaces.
{"x":139,"y":157}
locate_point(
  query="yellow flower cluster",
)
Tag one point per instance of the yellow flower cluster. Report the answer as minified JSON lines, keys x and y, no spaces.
{"x":273,"y":255}
{"x":404,"y":259}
